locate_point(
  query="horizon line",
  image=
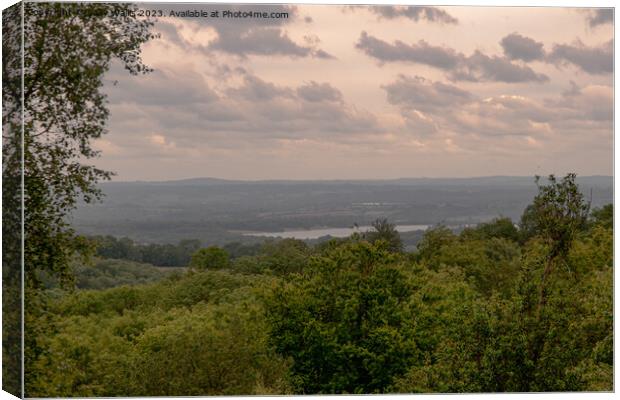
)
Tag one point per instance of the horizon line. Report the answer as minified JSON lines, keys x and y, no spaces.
{"x":344,"y":179}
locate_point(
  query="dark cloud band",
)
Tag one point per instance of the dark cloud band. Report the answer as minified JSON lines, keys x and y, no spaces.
{"x":477,"y":67}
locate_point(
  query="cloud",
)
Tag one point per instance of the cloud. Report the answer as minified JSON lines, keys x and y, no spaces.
{"x":251,"y":111}
{"x":422,"y":94}
{"x":262,"y":41}
{"x":323,"y":54}
{"x":160,"y":140}
{"x":316,"y":92}
{"x":504,"y":115}
{"x":419,"y":124}
{"x":450,"y":113}
{"x":587,"y":103}
{"x":160,"y":87}
{"x":421,"y":53}
{"x":600,"y":16}
{"x":517,"y":47}
{"x":255,"y":89}
{"x":240,"y":36}
{"x":449,"y":109}
{"x":444,"y":110}
{"x":593,"y":60}
{"x":477,"y":67}
{"x":415,"y":13}
{"x":482,"y":68}
{"x":170,"y":33}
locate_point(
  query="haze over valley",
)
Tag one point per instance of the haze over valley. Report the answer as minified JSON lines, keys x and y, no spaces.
{"x":221,"y":211}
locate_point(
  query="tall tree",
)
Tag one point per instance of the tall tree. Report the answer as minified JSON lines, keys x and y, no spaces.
{"x":67,"y":48}
{"x":11,"y":205}
{"x":557,"y":213}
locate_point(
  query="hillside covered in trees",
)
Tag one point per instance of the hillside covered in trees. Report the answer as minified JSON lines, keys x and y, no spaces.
{"x":497,"y":307}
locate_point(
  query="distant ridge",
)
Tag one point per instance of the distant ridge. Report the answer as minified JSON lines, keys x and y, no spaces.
{"x":218,"y":211}
{"x":481,"y":180}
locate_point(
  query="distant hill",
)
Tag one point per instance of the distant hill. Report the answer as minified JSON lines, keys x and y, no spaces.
{"x":218,"y":211}
{"x":482,"y":180}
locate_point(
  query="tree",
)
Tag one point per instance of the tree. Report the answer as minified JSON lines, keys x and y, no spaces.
{"x":433,"y":241}
{"x":344,"y":322}
{"x":210,"y":258}
{"x":548,"y":300}
{"x":12,"y":293}
{"x":498,"y":228}
{"x":604,"y":216}
{"x":558,"y":212}
{"x":284,"y":256}
{"x":386,"y":231}
{"x":68,"y":47}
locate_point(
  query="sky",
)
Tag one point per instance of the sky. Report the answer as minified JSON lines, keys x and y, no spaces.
{"x":358,"y":92}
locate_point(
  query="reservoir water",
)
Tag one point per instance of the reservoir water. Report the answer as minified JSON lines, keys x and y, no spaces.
{"x":334,"y":232}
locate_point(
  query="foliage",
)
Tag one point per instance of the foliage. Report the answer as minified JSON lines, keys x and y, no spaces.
{"x":461,"y":314}
{"x":210,"y":258}
{"x":137,"y":341}
{"x":279,"y":257}
{"x":604,"y":216}
{"x":172,"y":292}
{"x":162,"y":255}
{"x":12,"y":372}
{"x":236,"y":249}
{"x":502,"y":228}
{"x":54,"y":105}
{"x":491,"y":265}
{"x":449,"y":320}
{"x":434,"y":240}
{"x":67,"y":50}
{"x":229,"y":354}
{"x":344,"y":322}
{"x":557,"y":213}
{"x":386,"y":231}
{"x":104,"y":274}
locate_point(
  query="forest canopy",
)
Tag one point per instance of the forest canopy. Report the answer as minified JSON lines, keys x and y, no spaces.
{"x":499,"y":307}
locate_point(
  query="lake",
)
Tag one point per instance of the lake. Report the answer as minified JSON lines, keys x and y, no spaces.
{"x":334,"y":232}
